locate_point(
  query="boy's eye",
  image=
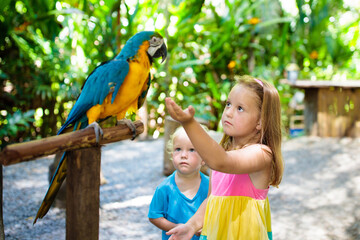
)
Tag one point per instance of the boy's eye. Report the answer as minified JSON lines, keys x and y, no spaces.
{"x":228,"y":104}
{"x":240,"y":109}
{"x":192,"y":150}
{"x":177,"y":149}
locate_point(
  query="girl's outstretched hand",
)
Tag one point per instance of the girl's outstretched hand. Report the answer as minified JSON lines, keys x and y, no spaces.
{"x":181,"y":232}
{"x":177,"y":113}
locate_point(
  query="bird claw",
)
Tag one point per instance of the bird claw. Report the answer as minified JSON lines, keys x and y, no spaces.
{"x":98,"y":131}
{"x":130,"y":125}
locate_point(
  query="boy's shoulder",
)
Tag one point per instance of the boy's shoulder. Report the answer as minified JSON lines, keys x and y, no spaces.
{"x":204,"y":177}
{"x":167,"y":182}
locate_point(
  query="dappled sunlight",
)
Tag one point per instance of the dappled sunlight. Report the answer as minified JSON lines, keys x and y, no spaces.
{"x":125,"y":151}
{"x":344,"y":163}
{"x":335,"y":198}
{"x":123,"y":154}
{"x":316,"y":199}
{"x":22,"y":184}
{"x":135,"y":202}
{"x":117,"y":170}
{"x":132,"y":169}
{"x":355,"y":184}
{"x":113,"y":187}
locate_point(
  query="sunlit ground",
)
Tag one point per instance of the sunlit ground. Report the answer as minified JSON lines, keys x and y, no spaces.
{"x":318,"y":198}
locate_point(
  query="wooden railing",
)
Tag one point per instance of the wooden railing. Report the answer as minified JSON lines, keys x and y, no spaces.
{"x":82,"y":188}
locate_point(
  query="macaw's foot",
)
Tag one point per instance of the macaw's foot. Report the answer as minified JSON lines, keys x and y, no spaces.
{"x":98,"y":131}
{"x":130,"y":125}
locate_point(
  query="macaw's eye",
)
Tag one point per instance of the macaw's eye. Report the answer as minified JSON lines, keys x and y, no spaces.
{"x":154,"y":39}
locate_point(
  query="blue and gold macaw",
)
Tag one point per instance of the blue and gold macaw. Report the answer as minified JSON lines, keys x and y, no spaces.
{"x":113,"y":88}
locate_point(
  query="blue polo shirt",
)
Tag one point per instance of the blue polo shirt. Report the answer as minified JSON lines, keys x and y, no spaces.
{"x":170,"y":203}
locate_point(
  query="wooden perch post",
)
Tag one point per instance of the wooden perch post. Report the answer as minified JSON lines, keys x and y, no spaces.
{"x":84,"y":138}
{"x":82,"y":194}
{"x":83,"y":172}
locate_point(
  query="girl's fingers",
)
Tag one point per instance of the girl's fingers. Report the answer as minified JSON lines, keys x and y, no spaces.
{"x":171,"y":231}
{"x":191,"y":110}
{"x":177,"y":113}
{"x":174,"y":110}
{"x":169,"y":101}
{"x":169,"y":106}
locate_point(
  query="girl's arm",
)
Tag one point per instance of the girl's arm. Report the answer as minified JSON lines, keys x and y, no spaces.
{"x":162,"y":223}
{"x":251,"y":159}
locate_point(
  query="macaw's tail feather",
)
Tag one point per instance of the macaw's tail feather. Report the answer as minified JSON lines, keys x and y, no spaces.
{"x":54,"y":187}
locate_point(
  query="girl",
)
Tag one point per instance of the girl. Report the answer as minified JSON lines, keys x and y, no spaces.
{"x":248,"y":161}
{"x":179,"y":196}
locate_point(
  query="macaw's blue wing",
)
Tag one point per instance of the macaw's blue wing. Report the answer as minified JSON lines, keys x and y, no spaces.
{"x":105,"y":79}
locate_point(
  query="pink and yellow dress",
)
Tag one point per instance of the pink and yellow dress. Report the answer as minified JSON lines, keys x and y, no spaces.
{"x":236,"y":209}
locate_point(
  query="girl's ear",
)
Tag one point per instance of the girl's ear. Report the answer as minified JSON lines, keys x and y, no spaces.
{"x":258,"y":126}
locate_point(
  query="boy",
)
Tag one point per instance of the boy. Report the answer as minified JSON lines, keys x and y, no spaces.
{"x":179,"y":196}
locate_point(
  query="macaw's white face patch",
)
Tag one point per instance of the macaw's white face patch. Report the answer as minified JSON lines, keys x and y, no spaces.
{"x":155,"y":44}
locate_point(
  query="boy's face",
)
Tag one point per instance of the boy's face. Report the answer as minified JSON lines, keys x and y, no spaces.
{"x":185,"y":158}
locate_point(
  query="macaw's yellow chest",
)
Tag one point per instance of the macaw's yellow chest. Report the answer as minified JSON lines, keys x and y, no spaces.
{"x":129,"y":92}
{"x":126,"y":99}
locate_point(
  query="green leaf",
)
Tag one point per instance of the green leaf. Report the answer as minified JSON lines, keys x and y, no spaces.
{"x":189,"y":63}
{"x":274,"y":22}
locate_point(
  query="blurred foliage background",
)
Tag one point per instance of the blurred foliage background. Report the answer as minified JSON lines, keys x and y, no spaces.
{"x":47,"y":49}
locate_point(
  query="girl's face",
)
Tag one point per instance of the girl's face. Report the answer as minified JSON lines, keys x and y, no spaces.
{"x":241,"y":116}
{"x":185,"y":158}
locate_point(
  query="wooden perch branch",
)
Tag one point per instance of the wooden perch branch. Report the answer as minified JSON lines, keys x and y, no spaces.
{"x":84,"y":138}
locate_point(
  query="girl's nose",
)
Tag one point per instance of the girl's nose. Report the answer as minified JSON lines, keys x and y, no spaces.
{"x":228,"y":112}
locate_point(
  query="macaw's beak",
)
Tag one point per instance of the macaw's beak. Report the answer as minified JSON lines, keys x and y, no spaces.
{"x":161,"y":52}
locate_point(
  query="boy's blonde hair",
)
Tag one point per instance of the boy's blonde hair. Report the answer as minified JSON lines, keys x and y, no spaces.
{"x":268,"y":102}
{"x":170,"y":143}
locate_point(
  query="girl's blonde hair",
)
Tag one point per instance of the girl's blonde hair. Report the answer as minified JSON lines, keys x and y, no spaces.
{"x":268,"y":102}
{"x":177,"y":132}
